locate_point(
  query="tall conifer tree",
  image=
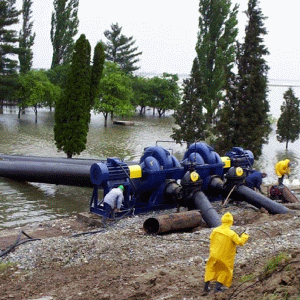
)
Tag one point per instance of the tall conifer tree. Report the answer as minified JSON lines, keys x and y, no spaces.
{"x":8,"y":48}
{"x":120,"y":49}
{"x":244,"y":119}
{"x":288,"y":125}
{"x":97,"y":70}
{"x":72,"y":112}
{"x":216,"y":51}
{"x":189,"y":119}
{"x":26,"y":38}
{"x":64,"y":26}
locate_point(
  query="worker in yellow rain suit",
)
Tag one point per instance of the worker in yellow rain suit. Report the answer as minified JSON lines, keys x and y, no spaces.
{"x":282,"y":168}
{"x":223,"y":242}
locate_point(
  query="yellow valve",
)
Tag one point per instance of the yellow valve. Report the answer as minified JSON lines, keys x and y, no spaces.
{"x":239,"y":171}
{"x":194,"y":176}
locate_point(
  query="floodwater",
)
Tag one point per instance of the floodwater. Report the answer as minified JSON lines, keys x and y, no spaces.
{"x":23,"y":203}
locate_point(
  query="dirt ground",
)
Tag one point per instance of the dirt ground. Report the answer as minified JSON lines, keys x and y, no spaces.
{"x":153,"y":279}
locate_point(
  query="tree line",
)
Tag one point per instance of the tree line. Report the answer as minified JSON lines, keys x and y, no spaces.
{"x":74,"y":84}
{"x":224,"y":100}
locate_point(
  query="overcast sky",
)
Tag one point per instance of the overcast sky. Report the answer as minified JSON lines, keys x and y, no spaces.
{"x":166,"y":32}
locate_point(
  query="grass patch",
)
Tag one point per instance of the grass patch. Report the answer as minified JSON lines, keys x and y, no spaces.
{"x":247,"y":278}
{"x":6,"y":269}
{"x":275,"y":262}
{"x":6,"y":266}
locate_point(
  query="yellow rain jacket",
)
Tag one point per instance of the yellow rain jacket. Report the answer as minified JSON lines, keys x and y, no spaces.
{"x":223,"y":242}
{"x":282,"y":168}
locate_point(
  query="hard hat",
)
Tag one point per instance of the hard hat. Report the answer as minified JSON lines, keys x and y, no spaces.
{"x":121,"y":187}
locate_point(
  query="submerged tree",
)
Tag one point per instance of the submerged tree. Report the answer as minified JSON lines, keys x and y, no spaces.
{"x":142,"y":90}
{"x":115,"y":93}
{"x":120,"y":49}
{"x":36,"y":91}
{"x":288,"y":125}
{"x":8,"y":48}
{"x":64,"y":26}
{"x":26,"y":38}
{"x":165,"y":93}
{"x":72,"y":113}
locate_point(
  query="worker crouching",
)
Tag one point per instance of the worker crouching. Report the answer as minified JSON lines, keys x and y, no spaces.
{"x":223,"y":242}
{"x":113,"y":202}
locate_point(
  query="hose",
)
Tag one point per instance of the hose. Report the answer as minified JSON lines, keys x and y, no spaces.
{"x":18,"y":242}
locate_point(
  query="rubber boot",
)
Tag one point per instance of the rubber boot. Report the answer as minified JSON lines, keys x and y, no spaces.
{"x":206,"y":288}
{"x":218,"y":287}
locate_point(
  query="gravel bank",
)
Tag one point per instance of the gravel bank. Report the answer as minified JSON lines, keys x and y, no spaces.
{"x":126,"y":240}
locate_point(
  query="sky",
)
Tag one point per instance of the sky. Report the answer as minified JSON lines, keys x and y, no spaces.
{"x":166,"y":32}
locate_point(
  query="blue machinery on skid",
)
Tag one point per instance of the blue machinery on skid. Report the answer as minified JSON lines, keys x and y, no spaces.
{"x":160,"y":181}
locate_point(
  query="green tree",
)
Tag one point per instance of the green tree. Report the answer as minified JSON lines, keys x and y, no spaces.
{"x":73,"y":108}
{"x":120,"y":49}
{"x":143,"y":92}
{"x":115,"y":92}
{"x":247,"y":106}
{"x":36,"y":91}
{"x":72,"y":113}
{"x":215,"y":51}
{"x":26,"y":38}
{"x":58,"y":75}
{"x":189,"y":116}
{"x":228,"y":118}
{"x":8,"y":48}
{"x":165,"y":93}
{"x":288,"y":125}
{"x":97,"y":69}
{"x":64,"y":26}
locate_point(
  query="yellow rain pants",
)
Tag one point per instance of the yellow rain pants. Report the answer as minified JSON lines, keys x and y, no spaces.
{"x":282,"y":168}
{"x":223,"y":242}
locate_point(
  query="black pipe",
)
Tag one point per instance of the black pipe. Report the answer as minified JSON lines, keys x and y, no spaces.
{"x":64,"y":160}
{"x":209,"y":214}
{"x":46,"y":172}
{"x":243,"y":193}
{"x":41,"y":159}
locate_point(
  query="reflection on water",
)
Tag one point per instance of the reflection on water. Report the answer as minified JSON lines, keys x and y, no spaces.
{"x":22,"y":203}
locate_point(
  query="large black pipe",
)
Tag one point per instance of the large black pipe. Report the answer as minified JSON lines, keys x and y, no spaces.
{"x":243,"y":193}
{"x":209,"y":214}
{"x":54,"y":170}
{"x":46,"y":172}
{"x":64,"y":160}
{"x":41,"y":159}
